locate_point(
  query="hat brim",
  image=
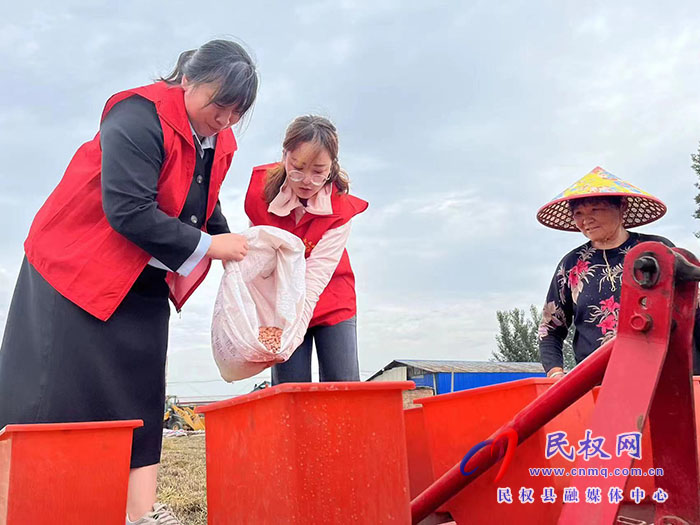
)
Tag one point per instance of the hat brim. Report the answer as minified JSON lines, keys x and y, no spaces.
{"x":641,"y":209}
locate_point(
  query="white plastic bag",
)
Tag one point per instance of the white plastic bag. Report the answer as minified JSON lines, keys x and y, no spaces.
{"x":267,"y":288}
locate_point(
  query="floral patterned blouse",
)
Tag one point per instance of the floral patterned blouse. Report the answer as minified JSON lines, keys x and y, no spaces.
{"x":585,"y":290}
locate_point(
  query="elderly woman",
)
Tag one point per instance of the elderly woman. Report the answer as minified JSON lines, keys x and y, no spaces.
{"x":585,"y":289}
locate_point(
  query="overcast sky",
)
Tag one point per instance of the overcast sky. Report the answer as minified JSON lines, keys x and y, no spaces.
{"x":457,"y":121}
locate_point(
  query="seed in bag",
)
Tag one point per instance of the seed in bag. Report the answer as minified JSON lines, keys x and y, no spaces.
{"x":271,"y":337}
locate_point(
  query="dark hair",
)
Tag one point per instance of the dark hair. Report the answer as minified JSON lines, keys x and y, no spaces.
{"x":224,"y":63}
{"x":319,"y":131}
{"x":613,"y":200}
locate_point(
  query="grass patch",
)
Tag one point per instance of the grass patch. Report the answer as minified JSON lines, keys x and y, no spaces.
{"x":182,"y":480}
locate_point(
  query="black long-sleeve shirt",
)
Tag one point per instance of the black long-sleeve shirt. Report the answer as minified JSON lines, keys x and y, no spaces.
{"x":131,"y":138}
{"x":585,"y":291}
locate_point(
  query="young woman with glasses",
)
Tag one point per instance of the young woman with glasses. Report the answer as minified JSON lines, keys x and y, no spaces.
{"x":307,"y":193}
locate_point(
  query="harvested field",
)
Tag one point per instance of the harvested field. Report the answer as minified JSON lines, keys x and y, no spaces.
{"x":182,"y":478}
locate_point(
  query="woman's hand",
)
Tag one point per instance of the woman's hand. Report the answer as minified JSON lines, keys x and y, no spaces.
{"x":228,"y":247}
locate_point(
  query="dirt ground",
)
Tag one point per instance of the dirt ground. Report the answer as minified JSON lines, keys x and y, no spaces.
{"x":182,"y":478}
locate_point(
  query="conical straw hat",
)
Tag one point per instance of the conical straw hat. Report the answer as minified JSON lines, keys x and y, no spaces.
{"x":642,"y":208}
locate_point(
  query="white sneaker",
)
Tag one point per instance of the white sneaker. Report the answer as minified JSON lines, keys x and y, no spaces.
{"x":160,"y":515}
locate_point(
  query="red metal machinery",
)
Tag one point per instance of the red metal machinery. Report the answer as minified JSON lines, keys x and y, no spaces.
{"x":646,"y":371}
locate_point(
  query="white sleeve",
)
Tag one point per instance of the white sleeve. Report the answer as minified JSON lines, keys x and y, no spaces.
{"x":320,"y":266}
{"x":192,"y":260}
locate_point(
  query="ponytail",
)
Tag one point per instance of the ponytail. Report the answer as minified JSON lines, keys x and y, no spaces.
{"x":223,"y":63}
{"x":175,"y":77}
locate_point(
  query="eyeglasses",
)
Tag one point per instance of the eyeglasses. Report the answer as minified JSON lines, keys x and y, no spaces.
{"x":295,"y":175}
{"x":317,"y":179}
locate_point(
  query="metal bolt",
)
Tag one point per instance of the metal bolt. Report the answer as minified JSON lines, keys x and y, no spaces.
{"x":641,"y":323}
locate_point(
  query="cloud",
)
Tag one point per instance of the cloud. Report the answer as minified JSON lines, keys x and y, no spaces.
{"x":457,"y":122}
{"x":429,"y":327}
{"x":7,"y":286}
{"x":435,"y":221}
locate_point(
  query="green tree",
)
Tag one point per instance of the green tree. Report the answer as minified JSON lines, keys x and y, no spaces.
{"x":518,"y":341}
{"x":517,"y":337}
{"x":695,"y":157}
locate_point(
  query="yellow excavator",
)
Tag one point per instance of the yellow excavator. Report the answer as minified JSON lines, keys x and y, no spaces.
{"x":177,"y":416}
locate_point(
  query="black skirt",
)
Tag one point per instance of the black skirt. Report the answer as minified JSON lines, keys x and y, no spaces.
{"x":60,"y":364}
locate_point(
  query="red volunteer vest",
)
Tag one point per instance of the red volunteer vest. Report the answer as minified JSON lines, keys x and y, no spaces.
{"x":72,"y":245}
{"x":337,"y":302}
